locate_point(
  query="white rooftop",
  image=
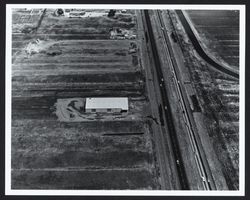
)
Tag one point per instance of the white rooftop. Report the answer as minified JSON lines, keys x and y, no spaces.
{"x":107,"y":102}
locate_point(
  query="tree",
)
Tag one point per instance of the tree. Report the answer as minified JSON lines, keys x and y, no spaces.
{"x":111,"y":13}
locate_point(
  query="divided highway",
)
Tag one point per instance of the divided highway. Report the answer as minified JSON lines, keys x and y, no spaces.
{"x":201,"y":164}
{"x":167,"y":108}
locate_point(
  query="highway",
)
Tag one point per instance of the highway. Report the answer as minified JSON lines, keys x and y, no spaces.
{"x":200,"y":162}
{"x":167,"y":108}
{"x":201,"y":165}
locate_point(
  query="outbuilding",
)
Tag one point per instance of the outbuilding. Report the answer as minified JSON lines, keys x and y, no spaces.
{"x":106,"y":105}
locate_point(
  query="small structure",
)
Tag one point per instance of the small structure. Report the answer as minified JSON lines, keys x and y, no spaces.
{"x":121,"y":34}
{"x":106,"y":105}
{"x":59,"y":12}
{"x":70,"y":13}
{"x":132,"y":48}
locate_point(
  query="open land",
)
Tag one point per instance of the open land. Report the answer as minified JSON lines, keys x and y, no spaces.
{"x":219,"y":32}
{"x":75,"y":58}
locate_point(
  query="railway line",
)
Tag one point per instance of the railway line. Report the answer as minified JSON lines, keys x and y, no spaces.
{"x":201,"y":164}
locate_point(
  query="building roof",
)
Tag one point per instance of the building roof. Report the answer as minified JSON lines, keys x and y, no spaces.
{"x":107,"y":102}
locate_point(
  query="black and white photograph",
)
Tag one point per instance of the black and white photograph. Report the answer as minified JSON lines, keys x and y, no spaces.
{"x":125,"y":99}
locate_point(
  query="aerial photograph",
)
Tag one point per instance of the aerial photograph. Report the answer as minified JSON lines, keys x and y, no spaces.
{"x":124,"y":99}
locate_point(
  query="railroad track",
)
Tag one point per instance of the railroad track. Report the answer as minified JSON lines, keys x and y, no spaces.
{"x":200,"y":161}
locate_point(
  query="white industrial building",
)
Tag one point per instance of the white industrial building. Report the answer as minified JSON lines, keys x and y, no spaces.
{"x":106,"y":105}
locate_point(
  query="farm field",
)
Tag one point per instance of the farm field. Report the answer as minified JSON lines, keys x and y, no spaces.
{"x":59,"y":58}
{"x":219,"y":32}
